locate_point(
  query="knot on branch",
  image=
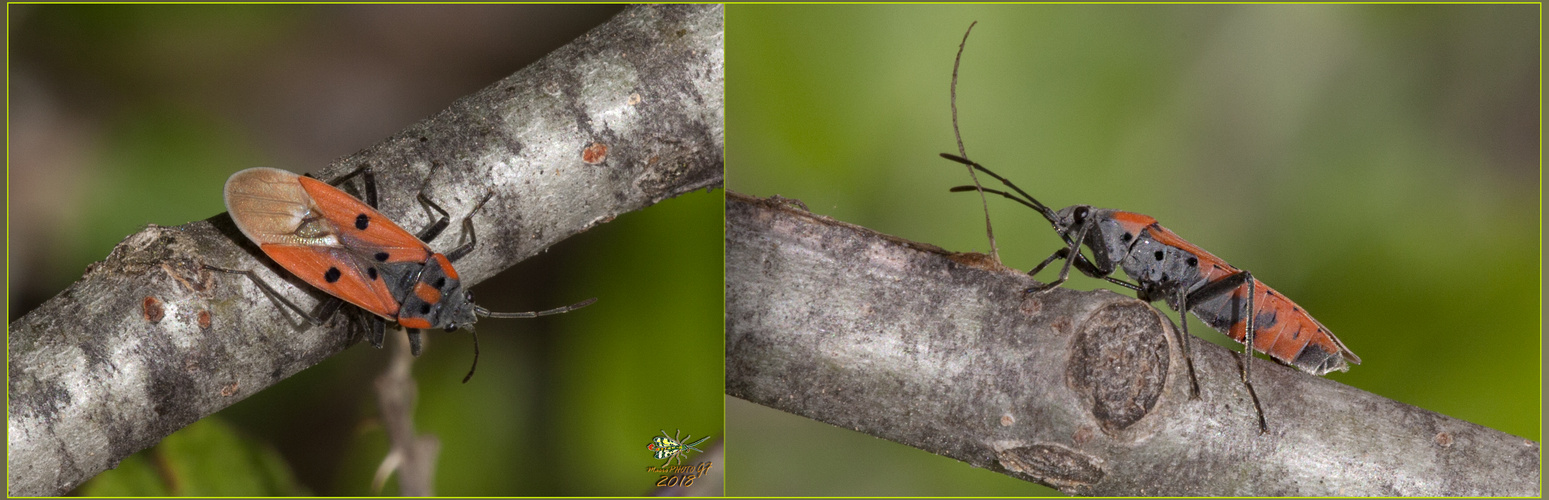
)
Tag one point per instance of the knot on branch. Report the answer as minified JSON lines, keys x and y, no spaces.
{"x":137,"y":253}
{"x":1119,"y":364}
{"x":1050,"y":464}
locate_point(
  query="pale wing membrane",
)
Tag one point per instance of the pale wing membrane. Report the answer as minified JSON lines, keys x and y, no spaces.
{"x":273,"y":208}
{"x":270,"y":206}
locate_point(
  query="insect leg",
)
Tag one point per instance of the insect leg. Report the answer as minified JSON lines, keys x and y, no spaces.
{"x":1227,"y":285}
{"x":1248,"y":353}
{"x":1058,"y":254}
{"x":369,"y":193}
{"x":434,"y":229}
{"x":1086,"y":267}
{"x":322,"y":314}
{"x":1075,"y":247}
{"x":414,"y":340}
{"x":1263,"y":425}
{"x":1114,"y":280}
{"x":464,"y":249}
{"x":1183,"y":341}
{"x":376,"y":328}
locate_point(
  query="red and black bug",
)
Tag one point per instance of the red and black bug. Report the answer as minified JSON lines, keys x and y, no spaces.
{"x":1184,"y":276}
{"x":343,"y":246}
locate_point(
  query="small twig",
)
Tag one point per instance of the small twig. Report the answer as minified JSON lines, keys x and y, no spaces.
{"x":412,"y":455}
{"x":1081,"y":391}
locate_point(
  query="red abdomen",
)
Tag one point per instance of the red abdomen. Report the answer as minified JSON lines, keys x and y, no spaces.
{"x":1282,"y":329}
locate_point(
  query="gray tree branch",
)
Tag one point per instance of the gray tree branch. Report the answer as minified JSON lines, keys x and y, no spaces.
{"x":148,"y":341}
{"x":1081,"y":391}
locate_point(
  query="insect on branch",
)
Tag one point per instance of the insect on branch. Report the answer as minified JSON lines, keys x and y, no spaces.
{"x":1081,"y":391}
{"x":149,"y":340}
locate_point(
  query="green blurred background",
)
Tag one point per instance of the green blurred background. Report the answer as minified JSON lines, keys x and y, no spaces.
{"x":127,"y":115}
{"x":1378,"y":164}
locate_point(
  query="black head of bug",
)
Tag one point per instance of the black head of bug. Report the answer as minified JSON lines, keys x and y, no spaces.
{"x":1068,"y":220}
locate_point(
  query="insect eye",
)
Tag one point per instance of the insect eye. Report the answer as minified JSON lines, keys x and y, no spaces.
{"x":1080,"y":214}
{"x":451,"y":327}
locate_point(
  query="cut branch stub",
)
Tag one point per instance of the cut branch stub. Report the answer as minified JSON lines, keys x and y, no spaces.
{"x":1119,"y":363}
{"x":1080,"y":391}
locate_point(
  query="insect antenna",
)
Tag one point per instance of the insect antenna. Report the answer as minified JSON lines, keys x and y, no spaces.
{"x":475,"y":356}
{"x":1029,"y":201}
{"x":1015,"y":198}
{"x":988,"y":229}
{"x":481,"y":311}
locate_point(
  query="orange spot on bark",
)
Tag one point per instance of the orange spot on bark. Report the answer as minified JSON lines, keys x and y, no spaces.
{"x":152,"y":309}
{"x":595,"y":153}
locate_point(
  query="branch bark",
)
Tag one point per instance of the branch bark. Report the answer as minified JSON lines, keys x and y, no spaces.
{"x":1081,"y":391}
{"x":148,"y":341}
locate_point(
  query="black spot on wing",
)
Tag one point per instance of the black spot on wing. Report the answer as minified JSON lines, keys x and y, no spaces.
{"x":371,"y":272}
{"x":332,"y":275}
{"x":381,"y":256}
{"x":362,"y":222}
